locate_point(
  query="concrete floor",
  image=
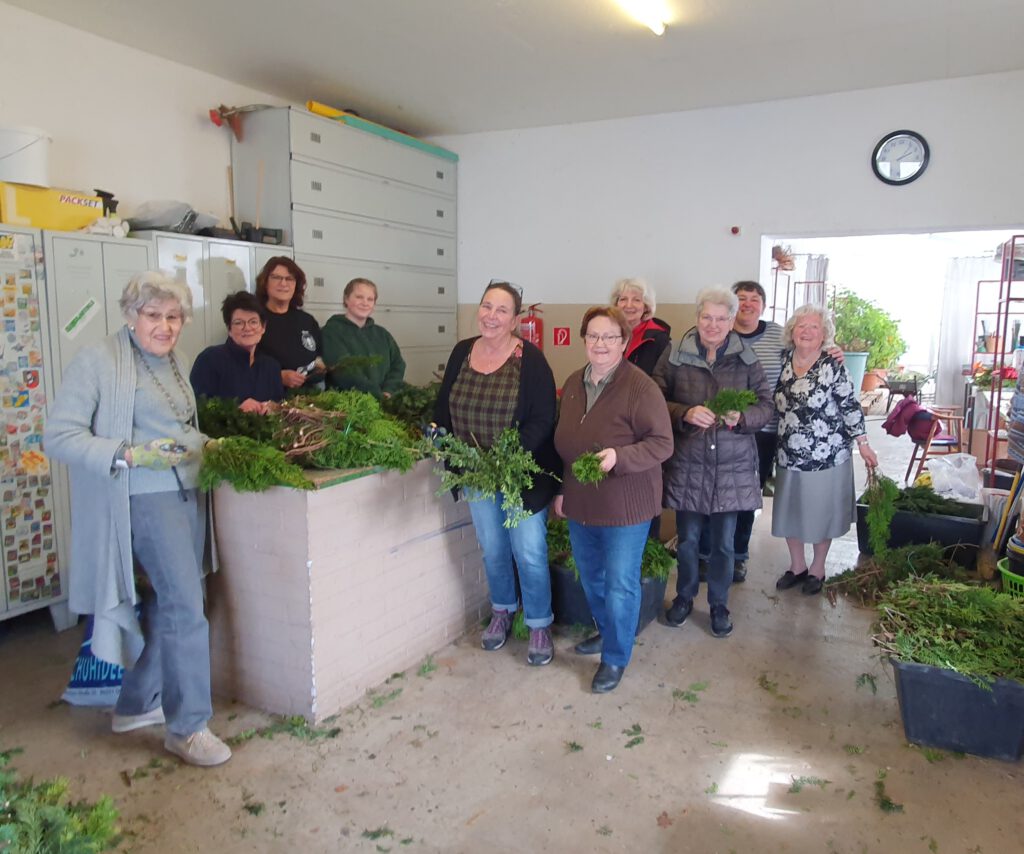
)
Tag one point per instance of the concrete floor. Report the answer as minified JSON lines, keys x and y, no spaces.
{"x":484,"y":753}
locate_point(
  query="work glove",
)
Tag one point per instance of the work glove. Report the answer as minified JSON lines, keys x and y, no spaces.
{"x":159,"y":454}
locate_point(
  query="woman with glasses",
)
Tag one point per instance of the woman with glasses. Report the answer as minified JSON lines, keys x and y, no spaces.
{"x":494,"y":381}
{"x":124,"y":423}
{"x":713,"y":472}
{"x":234,"y":369}
{"x":292,"y":336}
{"x":375,"y":364}
{"x":611,"y":407}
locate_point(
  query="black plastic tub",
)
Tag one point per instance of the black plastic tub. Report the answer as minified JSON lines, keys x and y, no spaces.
{"x":570,"y":607}
{"x":941,"y":708}
{"x":962,"y":534}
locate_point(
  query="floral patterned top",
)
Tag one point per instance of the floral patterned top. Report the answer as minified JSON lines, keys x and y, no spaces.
{"x":819,"y":415}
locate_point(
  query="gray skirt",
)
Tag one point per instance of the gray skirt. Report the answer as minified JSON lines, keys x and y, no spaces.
{"x":812,"y":506}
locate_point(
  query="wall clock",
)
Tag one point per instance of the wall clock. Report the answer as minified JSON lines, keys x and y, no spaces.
{"x":900,"y":157}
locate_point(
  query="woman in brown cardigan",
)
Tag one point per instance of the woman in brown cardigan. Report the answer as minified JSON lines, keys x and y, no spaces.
{"x":613,"y":408}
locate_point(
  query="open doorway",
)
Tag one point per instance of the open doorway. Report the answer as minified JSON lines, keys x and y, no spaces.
{"x":928,"y":282}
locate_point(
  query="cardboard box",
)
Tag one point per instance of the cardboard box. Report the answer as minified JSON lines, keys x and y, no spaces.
{"x":47,"y":207}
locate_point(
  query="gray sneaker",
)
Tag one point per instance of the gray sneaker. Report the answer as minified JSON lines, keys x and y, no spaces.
{"x":541,"y":649}
{"x":201,"y":748}
{"x":128,"y":723}
{"x":496,"y":633}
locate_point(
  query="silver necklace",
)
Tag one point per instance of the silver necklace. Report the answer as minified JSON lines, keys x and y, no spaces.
{"x":185,"y":416}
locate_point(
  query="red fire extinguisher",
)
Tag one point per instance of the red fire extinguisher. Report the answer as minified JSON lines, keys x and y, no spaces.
{"x":531,"y":326}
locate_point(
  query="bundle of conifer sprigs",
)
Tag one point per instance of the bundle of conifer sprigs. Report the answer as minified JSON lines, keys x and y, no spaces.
{"x":873,"y":576}
{"x":731,"y":400}
{"x":504,"y":468}
{"x":333,"y":429}
{"x":587,"y":468}
{"x":970,"y":629}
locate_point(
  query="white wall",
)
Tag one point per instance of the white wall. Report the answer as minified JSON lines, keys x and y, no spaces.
{"x":120,"y":119}
{"x":566,"y":210}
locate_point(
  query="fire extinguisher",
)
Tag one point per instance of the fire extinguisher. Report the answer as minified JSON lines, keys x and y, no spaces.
{"x":531,"y":326}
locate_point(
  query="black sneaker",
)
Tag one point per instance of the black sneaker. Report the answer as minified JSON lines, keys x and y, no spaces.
{"x":739,"y":572}
{"x":721,"y":625}
{"x":681,"y":608}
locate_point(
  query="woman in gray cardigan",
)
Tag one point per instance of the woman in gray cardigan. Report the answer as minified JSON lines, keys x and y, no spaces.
{"x":124,"y":422}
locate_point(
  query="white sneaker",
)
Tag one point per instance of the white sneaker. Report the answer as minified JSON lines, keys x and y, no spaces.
{"x":200,"y":748}
{"x":127,"y":723}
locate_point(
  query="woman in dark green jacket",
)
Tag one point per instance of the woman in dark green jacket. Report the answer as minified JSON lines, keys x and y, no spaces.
{"x":359,"y":353}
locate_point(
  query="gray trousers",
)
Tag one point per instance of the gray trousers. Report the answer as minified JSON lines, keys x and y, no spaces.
{"x":174,"y":669}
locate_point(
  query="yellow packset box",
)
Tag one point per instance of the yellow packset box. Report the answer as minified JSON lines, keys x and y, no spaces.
{"x":47,"y":207}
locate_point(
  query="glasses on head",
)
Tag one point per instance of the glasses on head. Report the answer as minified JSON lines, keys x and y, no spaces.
{"x":251,"y":323}
{"x":710,"y":318}
{"x":514,"y":287}
{"x":173,"y":318}
{"x":275,"y":278}
{"x":593,"y":338}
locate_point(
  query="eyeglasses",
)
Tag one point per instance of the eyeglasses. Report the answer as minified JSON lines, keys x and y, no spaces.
{"x":251,"y":323}
{"x":152,"y":316}
{"x":604,"y":339}
{"x":507,"y":283}
{"x":707,"y":318}
{"x":289,"y":279}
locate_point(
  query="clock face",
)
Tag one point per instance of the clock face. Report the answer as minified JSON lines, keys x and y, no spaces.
{"x":900,"y":157}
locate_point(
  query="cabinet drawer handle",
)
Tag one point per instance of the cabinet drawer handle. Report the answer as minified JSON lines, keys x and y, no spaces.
{"x":440,"y":175}
{"x":440,"y":330}
{"x":318,"y":234}
{"x":440,"y":252}
{"x":440,"y":290}
{"x":440,"y":214}
{"x":314,"y":137}
{"x":316,"y":186}
{"x":318,"y":281}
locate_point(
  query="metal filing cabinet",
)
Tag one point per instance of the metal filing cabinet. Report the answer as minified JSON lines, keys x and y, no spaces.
{"x":354,"y":203}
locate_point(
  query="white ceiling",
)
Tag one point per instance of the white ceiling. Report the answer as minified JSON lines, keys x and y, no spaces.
{"x":457,"y":66}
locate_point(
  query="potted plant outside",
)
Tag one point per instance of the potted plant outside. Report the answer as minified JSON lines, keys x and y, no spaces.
{"x":568,"y":599}
{"x":864,"y":328}
{"x":957,"y":651}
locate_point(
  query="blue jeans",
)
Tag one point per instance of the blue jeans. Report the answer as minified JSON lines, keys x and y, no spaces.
{"x":722,"y":532}
{"x":528,"y":544}
{"x":609,"y":562}
{"x":174,"y":668}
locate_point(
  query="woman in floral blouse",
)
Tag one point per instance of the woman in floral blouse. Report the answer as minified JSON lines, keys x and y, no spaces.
{"x":819,"y":420}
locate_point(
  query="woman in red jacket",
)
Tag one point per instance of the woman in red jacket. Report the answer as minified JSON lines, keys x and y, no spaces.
{"x":611,"y":407}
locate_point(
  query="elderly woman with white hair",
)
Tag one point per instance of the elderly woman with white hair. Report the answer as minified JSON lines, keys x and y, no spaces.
{"x":124,"y":422}
{"x":649,"y":335}
{"x":819,"y":420}
{"x":713,"y":473}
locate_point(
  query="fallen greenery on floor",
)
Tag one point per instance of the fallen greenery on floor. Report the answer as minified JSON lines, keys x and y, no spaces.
{"x":691,"y":694}
{"x":798,"y":784}
{"x":295,"y":725}
{"x":39,"y":818}
{"x":635,"y":734}
{"x":875,"y":574}
{"x":885,"y":803}
{"x":969,"y":629}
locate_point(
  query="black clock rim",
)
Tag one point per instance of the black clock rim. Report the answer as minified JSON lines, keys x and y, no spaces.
{"x":900,"y":182}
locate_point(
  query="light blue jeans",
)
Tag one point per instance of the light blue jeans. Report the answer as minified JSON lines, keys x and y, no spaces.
{"x":609,"y":561}
{"x":528,"y":544}
{"x":174,"y":669}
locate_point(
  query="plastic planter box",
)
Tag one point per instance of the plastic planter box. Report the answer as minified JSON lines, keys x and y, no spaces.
{"x":941,"y":708}
{"x":570,"y":607}
{"x":908,"y":528}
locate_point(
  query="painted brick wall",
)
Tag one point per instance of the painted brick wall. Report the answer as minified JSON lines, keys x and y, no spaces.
{"x":324,"y":594}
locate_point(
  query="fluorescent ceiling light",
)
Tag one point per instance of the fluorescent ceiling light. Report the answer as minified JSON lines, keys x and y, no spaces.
{"x":651,"y":13}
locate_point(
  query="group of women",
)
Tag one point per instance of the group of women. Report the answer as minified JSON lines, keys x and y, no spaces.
{"x":647,"y":409}
{"x":124,"y":422}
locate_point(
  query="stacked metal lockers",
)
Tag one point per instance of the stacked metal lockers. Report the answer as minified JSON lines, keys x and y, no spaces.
{"x":355,"y":203}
